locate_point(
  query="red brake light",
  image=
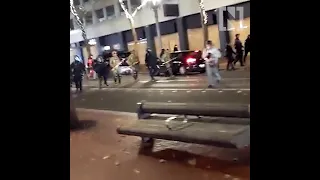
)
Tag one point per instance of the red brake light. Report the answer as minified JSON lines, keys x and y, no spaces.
{"x":191,"y":60}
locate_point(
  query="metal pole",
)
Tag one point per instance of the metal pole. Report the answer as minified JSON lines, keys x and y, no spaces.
{"x":156,"y":16}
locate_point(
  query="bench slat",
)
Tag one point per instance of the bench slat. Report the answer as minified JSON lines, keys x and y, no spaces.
{"x":215,"y":134}
{"x":212,"y":109}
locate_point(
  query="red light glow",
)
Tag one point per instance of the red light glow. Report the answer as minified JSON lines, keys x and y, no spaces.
{"x":191,"y":60}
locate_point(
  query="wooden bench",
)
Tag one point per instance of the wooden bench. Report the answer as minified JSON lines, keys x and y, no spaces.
{"x":218,"y":133}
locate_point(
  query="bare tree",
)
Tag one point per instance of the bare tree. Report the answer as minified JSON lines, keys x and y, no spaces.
{"x":79,"y":13}
{"x":131,"y":21}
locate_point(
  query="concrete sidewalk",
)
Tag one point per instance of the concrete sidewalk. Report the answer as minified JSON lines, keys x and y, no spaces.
{"x":98,"y":152}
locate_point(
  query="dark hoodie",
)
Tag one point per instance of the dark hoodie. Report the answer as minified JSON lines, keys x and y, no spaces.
{"x":151,"y":59}
{"x":77,"y":68}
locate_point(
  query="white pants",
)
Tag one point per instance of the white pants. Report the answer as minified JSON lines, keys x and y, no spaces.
{"x":213,"y":74}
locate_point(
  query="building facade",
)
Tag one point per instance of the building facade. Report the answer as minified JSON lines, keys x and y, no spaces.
{"x":108,"y":28}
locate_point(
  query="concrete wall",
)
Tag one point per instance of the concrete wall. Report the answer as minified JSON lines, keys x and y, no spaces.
{"x":143,"y":18}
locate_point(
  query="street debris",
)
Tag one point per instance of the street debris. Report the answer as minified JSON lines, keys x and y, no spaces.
{"x":106,"y":157}
{"x":162,"y":161}
{"x":127,"y":152}
{"x":136,"y":171}
{"x":116,"y":163}
{"x":192,"y":162}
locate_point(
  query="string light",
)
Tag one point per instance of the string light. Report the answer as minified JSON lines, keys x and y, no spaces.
{"x":78,"y":20}
{"x":203,"y":11}
{"x":131,"y":16}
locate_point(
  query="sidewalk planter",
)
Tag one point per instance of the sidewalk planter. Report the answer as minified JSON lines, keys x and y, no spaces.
{"x":74,"y":121}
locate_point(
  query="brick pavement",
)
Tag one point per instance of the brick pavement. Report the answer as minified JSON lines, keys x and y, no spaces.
{"x":98,"y":152}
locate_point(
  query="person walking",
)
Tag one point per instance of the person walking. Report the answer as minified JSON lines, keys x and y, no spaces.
{"x":229,"y":55}
{"x":175,"y":48}
{"x":239,"y":50}
{"x":78,"y":69}
{"x":114,"y":64}
{"x":165,"y":57}
{"x":100,"y":67}
{"x":134,"y":63}
{"x":211,"y":55}
{"x":151,"y":63}
{"x":247,"y":48}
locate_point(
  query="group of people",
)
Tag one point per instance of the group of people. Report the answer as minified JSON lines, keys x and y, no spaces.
{"x":152,"y":60}
{"x":239,"y":52}
{"x":103,"y":65}
{"x":211,"y":56}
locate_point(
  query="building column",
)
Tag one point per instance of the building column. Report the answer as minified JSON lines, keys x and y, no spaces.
{"x":117,"y":9}
{"x":183,"y":34}
{"x":150,"y":38}
{"x":224,"y":35}
{"x":94,"y":17}
{"x":129,"y":6}
{"x":81,"y":3}
{"x":123,"y":42}
{"x":75,"y":25}
{"x":104,"y":12}
{"x":98,"y":46}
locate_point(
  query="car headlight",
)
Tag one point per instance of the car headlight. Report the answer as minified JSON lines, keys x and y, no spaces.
{"x":202,"y":65}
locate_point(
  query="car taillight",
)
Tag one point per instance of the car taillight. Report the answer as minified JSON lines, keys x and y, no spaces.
{"x":191,"y":60}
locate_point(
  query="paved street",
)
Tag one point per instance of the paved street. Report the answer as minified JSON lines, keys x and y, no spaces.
{"x":126,"y":99}
{"x":234,"y":88}
{"x":230,"y":79}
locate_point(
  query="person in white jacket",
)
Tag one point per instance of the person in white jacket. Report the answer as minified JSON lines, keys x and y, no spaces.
{"x":211,"y":55}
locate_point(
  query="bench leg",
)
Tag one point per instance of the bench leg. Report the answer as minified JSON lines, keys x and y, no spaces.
{"x":146,"y":145}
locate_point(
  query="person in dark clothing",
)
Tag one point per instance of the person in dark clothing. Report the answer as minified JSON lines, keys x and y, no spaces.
{"x":101,"y":68}
{"x":151,"y":63}
{"x":229,"y":56}
{"x":78,"y":69}
{"x":175,"y":48}
{"x":247,"y":48}
{"x":239,"y":50}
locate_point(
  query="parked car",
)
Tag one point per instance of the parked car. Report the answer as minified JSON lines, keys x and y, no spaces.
{"x":184,"y":62}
